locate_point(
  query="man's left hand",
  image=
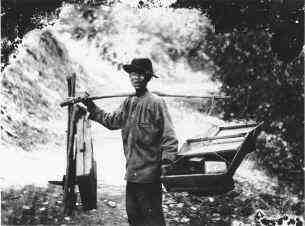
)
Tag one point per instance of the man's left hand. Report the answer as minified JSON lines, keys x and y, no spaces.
{"x":166,"y":166}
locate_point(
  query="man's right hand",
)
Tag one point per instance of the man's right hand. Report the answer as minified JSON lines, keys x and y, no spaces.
{"x":87,"y":101}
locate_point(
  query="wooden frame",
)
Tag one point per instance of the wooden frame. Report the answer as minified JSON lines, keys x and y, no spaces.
{"x":179,"y":176}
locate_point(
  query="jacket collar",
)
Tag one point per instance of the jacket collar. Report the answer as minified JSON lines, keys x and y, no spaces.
{"x":142,"y":94}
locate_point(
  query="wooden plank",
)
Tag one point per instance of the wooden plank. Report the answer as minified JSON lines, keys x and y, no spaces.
{"x":80,"y":148}
{"x":247,"y":146}
{"x":79,"y":162}
{"x":238,"y":126}
{"x":84,"y":150}
{"x":88,"y":155}
{"x":86,"y":180}
{"x":202,"y":150}
{"x":206,"y":184}
{"x":234,"y":131}
{"x":69,"y":189}
{"x":214,"y":138}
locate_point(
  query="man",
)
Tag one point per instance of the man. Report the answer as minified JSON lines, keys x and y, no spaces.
{"x":148,"y":140}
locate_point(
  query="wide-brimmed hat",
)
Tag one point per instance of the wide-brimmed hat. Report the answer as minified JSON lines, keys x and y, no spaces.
{"x":142,"y":65}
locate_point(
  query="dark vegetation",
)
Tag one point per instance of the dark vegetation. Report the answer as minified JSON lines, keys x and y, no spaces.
{"x":263,"y":88}
{"x":262,"y":70}
{"x":16,"y":21}
{"x":284,"y":19}
{"x":17,"y":18}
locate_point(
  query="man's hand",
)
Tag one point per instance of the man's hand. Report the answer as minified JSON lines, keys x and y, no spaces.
{"x":165,"y":169}
{"x":87,"y":101}
{"x":166,"y":165}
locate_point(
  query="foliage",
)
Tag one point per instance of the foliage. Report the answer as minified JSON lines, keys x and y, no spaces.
{"x":262,"y":88}
{"x":262,"y":85}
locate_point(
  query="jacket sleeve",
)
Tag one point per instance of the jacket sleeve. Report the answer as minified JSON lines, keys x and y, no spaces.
{"x":111,"y":120}
{"x":169,"y":141}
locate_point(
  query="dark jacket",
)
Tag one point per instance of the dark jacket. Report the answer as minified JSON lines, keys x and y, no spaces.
{"x":147,"y":132}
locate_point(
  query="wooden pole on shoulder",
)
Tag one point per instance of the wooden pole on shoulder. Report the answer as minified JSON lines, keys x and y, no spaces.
{"x":75,"y":100}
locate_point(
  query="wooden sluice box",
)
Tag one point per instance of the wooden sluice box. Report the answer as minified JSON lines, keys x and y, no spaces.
{"x":81,"y":166}
{"x":206,"y":165}
{"x":85,"y":165}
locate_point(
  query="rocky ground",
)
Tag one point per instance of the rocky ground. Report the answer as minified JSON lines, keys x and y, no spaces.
{"x":245,"y":205}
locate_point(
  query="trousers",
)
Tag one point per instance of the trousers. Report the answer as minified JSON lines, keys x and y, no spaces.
{"x":144,"y":204}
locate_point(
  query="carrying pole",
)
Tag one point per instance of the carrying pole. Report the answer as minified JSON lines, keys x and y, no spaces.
{"x":74,"y":100}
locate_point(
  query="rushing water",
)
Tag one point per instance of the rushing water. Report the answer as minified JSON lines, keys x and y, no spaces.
{"x":93,"y":44}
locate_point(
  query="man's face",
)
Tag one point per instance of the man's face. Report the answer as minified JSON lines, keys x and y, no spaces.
{"x":138,"y":80}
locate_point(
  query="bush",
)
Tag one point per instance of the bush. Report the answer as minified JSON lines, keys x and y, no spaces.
{"x":262,"y":88}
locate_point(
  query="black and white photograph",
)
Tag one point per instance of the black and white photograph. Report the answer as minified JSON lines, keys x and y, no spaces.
{"x":152,"y":112}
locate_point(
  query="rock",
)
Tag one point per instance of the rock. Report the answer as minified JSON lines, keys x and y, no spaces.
{"x":26,"y":207}
{"x":165,"y":209}
{"x":236,"y":223}
{"x":216,"y":216}
{"x":169,"y":201}
{"x":176,"y":219}
{"x":211,"y":199}
{"x":93,"y":211}
{"x":42,"y":209}
{"x":180,"y":205}
{"x":184,"y":220}
{"x":111,"y":204}
{"x":67,"y":218}
{"x":193,"y":208}
{"x":259,"y":214}
{"x":173,"y":213}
